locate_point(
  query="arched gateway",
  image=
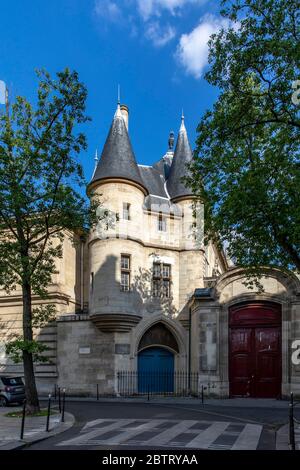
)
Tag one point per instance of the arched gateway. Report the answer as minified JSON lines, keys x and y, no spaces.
{"x":255,"y":350}
{"x":156,"y":360}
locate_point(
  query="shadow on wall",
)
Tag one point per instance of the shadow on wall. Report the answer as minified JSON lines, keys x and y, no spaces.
{"x":7,"y":333}
{"x":108,"y":294}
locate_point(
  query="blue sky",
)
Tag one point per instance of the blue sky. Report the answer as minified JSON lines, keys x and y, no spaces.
{"x":155,"y":49}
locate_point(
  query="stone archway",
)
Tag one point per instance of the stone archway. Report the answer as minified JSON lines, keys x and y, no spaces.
{"x":158,"y":335}
{"x":156,"y":359}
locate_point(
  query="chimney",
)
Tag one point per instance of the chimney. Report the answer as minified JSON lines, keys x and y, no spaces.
{"x":125,"y":113}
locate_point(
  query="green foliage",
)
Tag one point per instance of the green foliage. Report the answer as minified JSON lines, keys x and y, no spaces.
{"x":247,"y":167}
{"x":40,"y":198}
{"x":39,"y":177}
{"x":15,"y":349}
{"x":42,"y":315}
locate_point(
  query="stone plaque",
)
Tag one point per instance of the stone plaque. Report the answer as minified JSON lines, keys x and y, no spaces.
{"x":85,"y":350}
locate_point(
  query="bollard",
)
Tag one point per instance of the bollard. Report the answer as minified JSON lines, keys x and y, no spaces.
{"x":202,"y":394}
{"x":59,"y":400}
{"x":48,"y":412}
{"x":63,"y":406}
{"x":148,"y":392}
{"x":291,"y":422}
{"x":97,"y":392}
{"x":23,"y":420}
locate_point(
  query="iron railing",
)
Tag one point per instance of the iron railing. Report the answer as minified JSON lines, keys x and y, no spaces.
{"x":179,"y":383}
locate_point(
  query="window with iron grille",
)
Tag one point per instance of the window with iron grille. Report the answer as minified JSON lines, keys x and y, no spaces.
{"x":126,"y":211}
{"x":161,"y":280}
{"x":161,"y":223}
{"x":125,"y":273}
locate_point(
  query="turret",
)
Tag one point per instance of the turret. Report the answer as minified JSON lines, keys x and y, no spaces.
{"x":176,"y":187}
{"x":117,"y":160}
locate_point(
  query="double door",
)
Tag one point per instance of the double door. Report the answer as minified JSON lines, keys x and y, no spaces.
{"x":255,"y":361}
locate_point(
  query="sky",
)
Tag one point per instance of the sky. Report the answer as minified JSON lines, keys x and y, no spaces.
{"x":155,"y":49}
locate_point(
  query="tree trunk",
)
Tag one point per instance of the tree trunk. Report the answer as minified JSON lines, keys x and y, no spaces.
{"x":32,"y":400}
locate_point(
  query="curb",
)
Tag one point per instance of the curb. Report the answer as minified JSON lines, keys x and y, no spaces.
{"x":42,"y":436}
{"x":226,"y":403}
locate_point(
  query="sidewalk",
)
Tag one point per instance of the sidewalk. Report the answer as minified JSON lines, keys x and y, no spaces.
{"x":34,"y":430}
{"x":282,"y":438}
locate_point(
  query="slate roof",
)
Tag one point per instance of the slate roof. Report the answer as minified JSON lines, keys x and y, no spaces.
{"x":162,"y":181}
{"x":153,"y":180}
{"x":117,"y":159}
{"x":182,"y":156}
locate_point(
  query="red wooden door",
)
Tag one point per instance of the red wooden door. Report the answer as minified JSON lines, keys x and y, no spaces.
{"x":267,"y":362}
{"x":241,"y":361}
{"x":255,"y":351}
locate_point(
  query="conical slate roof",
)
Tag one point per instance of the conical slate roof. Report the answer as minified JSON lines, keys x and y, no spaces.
{"x":182,"y":156}
{"x":117,"y":159}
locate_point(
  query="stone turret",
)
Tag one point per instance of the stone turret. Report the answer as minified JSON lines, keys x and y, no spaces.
{"x":176,"y":187}
{"x":118,"y":182}
{"x":117,"y":160}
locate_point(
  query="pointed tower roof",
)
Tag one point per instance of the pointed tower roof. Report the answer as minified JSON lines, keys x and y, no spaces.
{"x":117,"y":159}
{"x":182,"y":156}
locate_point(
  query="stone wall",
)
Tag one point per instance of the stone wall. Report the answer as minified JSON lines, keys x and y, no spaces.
{"x":210,"y":320}
{"x":85,"y":357}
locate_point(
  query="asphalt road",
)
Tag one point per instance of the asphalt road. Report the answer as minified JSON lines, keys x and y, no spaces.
{"x":112,"y":419}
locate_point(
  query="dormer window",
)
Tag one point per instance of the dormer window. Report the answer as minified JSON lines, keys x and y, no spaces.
{"x":161,"y":223}
{"x":126,"y":211}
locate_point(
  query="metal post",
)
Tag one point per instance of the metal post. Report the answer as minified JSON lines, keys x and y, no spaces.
{"x":23,"y":420}
{"x":48,"y":412}
{"x":291,"y":421}
{"x":55,"y":391}
{"x":202,"y":394}
{"x":97,"y":392}
{"x":63,"y":406}
{"x":59,"y":400}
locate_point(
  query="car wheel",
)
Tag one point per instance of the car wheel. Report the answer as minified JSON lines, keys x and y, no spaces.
{"x":3,"y":401}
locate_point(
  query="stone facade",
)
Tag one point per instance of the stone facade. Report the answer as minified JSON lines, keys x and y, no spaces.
{"x":101,"y":329}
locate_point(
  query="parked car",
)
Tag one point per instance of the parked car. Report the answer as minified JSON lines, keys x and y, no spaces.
{"x":12,"y":390}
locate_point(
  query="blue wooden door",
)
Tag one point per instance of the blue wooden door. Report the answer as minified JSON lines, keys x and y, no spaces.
{"x":156,"y":370}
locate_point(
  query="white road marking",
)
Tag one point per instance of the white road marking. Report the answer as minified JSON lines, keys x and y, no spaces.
{"x":168,"y":434}
{"x":126,"y":435}
{"x":207,"y":437}
{"x":248,"y":438}
{"x":83,"y":439}
{"x":125,"y":432}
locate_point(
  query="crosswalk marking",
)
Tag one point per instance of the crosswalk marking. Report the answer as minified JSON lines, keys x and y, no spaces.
{"x":207,"y":437}
{"x":126,"y":435}
{"x":248,"y":438}
{"x":167,"y":433}
{"x":83,"y":439}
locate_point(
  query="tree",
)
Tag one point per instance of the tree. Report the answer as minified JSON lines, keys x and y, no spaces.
{"x":246,"y":167}
{"x":40,"y":201}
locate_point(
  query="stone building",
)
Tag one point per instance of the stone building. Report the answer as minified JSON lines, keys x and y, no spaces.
{"x":144,"y":297}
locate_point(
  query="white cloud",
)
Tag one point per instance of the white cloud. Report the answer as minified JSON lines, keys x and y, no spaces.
{"x":192,"y":50}
{"x":108,"y":9}
{"x":159,"y":36}
{"x":148,"y":8}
